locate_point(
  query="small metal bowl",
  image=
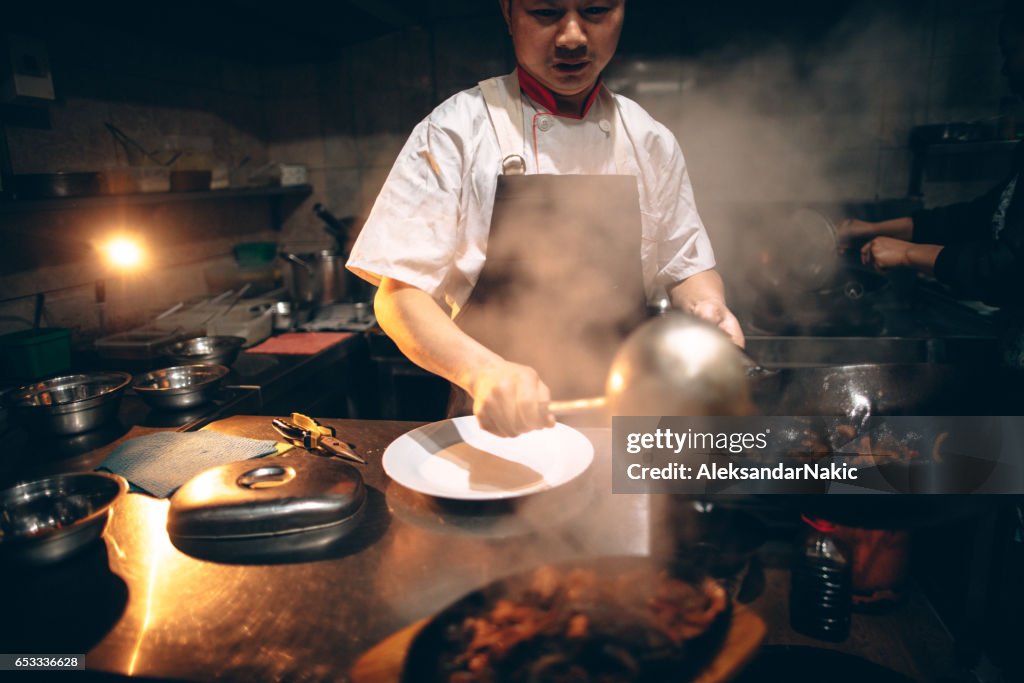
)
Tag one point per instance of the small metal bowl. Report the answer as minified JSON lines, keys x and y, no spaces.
{"x":70,"y":404}
{"x":180,"y":387}
{"x":221,"y":350}
{"x":46,"y":520}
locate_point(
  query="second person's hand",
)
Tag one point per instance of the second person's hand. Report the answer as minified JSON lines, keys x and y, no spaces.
{"x":883,"y":253}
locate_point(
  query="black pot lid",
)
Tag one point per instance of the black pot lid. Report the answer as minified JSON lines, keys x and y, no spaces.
{"x":267,"y":497}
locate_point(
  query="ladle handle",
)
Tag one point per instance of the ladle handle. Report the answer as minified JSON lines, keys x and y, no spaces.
{"x":288,"y":256}
{"x":754,"y":367}
{"x":578,"y":406}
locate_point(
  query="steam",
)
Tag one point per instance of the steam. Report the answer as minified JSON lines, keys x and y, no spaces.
{"x":781,"y":124}
{"x":767,"y":129}
{"x":563,"y":247}
{"x":763,"y":131}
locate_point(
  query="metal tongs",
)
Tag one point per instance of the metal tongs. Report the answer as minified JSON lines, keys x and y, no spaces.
{"x":307,"y":433}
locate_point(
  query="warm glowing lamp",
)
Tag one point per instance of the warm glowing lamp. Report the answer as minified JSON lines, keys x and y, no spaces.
{"x":124,"y":253}
{"x":121,"y":254}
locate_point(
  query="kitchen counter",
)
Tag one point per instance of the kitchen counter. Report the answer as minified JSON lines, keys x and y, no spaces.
{"x":139,"y":606}
{"x":331,"y":382}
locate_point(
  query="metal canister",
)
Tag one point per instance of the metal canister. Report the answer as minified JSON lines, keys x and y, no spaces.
{"x":332,"y":276}
{"x":316,"y":278}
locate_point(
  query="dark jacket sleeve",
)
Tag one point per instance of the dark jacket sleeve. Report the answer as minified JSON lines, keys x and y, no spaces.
{"x":992,"y":271}
{"x":973,"y":262}
{"x":957,"y":223}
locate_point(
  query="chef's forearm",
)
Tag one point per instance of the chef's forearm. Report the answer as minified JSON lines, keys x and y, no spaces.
{"x":696,"y":289}
{"x":427,"y":336}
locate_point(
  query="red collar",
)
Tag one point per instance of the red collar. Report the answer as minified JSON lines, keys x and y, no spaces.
{"x":545,"y":98}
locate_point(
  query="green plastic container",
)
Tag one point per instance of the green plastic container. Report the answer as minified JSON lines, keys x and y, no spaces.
{"x":255,"y":255}
{"x":28,"y":355}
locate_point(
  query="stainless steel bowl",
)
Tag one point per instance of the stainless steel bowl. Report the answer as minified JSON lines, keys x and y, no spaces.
{"x":218,"y":350}
{"x":70,"y":404}
{"x":180,"y":387}
{"x":49,"y":519}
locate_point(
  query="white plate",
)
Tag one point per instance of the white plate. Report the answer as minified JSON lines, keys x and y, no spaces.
{"x":459,"y":460}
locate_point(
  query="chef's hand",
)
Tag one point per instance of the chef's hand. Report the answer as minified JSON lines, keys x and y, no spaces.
{"x":510,"y":399}
{"x":883,"y":253}
{"x":703,"y":295}
{"x":718,"y":314}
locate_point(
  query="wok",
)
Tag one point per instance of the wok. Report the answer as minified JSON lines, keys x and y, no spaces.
{"x":843,"y":306}
{"x":798,"y":252}
{"x":858,"y":392}
{"x":434,"y":644}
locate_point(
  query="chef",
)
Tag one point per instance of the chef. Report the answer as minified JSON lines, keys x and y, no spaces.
{"x":527,"y":220}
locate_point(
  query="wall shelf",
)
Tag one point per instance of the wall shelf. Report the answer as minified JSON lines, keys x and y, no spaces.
{"x":139,"y":199}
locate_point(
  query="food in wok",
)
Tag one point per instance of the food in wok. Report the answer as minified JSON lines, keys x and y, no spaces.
{"x":576,"y":624}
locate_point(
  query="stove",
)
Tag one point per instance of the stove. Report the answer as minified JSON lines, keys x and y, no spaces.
{"x":863,"y":304}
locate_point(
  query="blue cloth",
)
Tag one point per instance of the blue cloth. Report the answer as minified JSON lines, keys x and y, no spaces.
{"x":159,"y":463}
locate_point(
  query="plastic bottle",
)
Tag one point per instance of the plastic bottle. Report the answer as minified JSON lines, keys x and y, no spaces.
{"x":820,"y":593}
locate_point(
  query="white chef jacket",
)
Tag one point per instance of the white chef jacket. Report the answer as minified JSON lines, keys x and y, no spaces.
{"x":430,"y":223}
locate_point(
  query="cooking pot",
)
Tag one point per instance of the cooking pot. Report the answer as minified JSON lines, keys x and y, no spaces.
{"x":316,"y":278}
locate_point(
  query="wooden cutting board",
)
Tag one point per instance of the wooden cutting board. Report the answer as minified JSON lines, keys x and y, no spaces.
{"x":383,"y":662}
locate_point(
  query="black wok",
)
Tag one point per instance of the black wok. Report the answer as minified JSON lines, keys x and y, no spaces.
{"x":858,"y":392}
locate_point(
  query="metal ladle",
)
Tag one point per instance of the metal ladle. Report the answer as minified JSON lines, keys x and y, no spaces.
{"x":672,"y":365}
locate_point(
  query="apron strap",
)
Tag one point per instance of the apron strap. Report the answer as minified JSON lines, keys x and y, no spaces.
{"x":505,"y":107}
{"x":501,"y":94}
{"x":620,"y":142}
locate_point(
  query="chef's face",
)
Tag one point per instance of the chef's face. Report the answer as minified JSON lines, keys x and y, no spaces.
{"x":564,"y":44}
{"x":1011,"y":40}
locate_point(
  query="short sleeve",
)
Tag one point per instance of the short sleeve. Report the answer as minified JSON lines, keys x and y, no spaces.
{"x":682,"y":245}
{"x":412,"y":232}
